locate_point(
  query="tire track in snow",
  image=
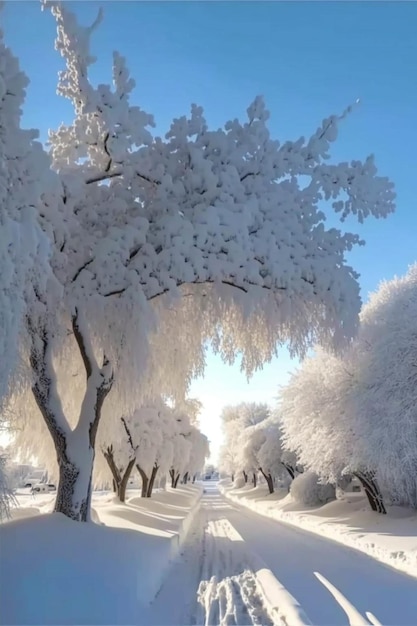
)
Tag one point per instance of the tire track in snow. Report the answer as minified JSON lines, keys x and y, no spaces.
{"x":228,"y":592}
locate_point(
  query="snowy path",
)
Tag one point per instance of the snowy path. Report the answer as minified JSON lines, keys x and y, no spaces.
{"x":215,"y":582}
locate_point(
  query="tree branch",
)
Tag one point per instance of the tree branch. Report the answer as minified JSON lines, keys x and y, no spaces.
{"x":44,"y":387}
{"x":118,"y":292}
{"x":82,"y":345}
{"x":78,"y":272}
{"x":107,"y":175}
{"x":245,"y":176}
{"x":129,"y":436}
{"x":109,"y":456}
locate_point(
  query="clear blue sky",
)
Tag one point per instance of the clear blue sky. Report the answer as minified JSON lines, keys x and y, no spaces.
{"x":309,"y":60}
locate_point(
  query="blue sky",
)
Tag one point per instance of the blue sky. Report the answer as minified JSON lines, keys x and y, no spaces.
{"x":309,"y":60}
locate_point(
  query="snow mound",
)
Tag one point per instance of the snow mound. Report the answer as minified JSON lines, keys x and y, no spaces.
{"x":57,"y":571}
{"x":306,"y":489}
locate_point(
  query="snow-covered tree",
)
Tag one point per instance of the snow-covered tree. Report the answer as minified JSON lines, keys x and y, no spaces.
{"x":227,"y":461}
{"x":156,"y":439}
{"x":142,"y":441}
{"x":229,"y":218}
{"x":250,"y":442}
{"x":355,"y":414}
{"x":117,"y":458}
{"x":181,"y":447}
{"x":315,"y":425}
{"x":253,"y":442}
{"x":319,"y":423}
{"x":272,"y":458}
{"x":147,"y":431}
{"x":384,"y":402}
{"x":199,"y":453}
{"x":228,"y":457}
{"x":24,"y":249}
{"x":239,"y":425}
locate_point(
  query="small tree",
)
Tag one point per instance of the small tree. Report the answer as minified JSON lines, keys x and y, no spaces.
{"x":142,"y":441}
{"x":199,"y":453}
{"x":273,"y":459}
{"x":182,"y":445}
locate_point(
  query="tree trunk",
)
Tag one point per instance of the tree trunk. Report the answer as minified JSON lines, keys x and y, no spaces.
{"x":75,"y":448}
{"x":185,"y":478}
{"x":245,"y":476}
{"x":145,"y":481}
{"x":269,"y":480}
{"x":172,"y":476}
{"x":254,"y":479}
{"x":194,"y":478}
{"x":73,"y":497}
{"x":372,"y":491}
{"x":120,"y":477}
{"x":152,"y":480}
{"x":233,"y":478}
{"x":125,"y":479}
{"x":114,"y":486}
{"x":290,"y":469}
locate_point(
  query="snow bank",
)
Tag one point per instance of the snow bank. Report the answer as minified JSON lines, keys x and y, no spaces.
{"x":282,"y":606}
{"x":391,"y":539}
{"x":56,"y":571}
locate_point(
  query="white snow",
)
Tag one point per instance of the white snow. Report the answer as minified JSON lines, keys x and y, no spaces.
{"x":228,"y":551}
{"x":391,"y":539}
{"x":57,"y":571}
{"x":221,"y":579}
{"x":169,"y":560}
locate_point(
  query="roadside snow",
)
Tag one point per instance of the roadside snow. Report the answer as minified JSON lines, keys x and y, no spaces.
{"x":180,"y":560}
{"x":56,"y":571}
{"x":239,"y":568}
{"x":391,"y":539}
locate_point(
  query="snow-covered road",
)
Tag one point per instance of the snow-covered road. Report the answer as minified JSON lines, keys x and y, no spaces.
{"x":217,"y":581}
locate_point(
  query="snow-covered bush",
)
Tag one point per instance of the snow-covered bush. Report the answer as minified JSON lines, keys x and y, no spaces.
{"x":239,"y":482}
{"x":306,"y":489}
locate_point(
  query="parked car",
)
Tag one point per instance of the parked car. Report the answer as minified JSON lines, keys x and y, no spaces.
{"x":43,"y":488}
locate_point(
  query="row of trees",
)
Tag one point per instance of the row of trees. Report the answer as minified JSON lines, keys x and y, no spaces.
{"x":253,"y":445}
{"x":352,"y":414}
{"x":156,"y":440}
{"x":125,"y":254}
